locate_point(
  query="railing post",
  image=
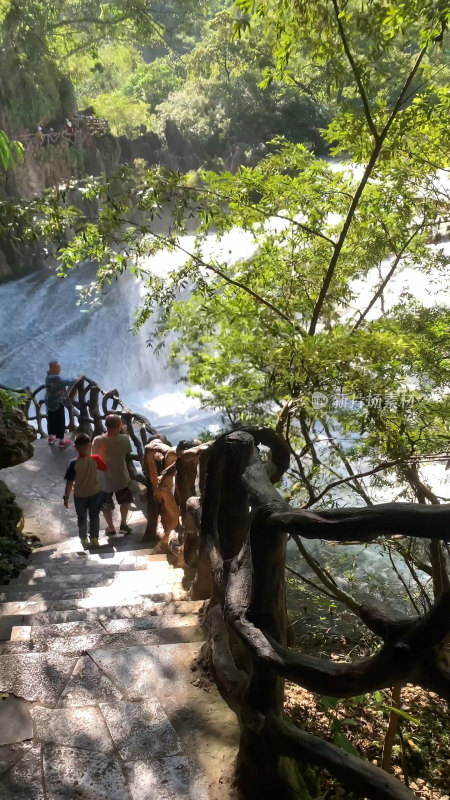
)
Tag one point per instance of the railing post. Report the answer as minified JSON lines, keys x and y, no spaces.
{"x":127,"y":418}
{"x":94,"y":410}
{"x":225,"y":513}
{"x":70,"y":408}
{"x":262,"y":771}
{"x":153,"y":498}
{"x":37,"y":407}
{"x":234,"y":509}
{"x":84,"y":420}
{"x":185,"y":476}
{"x":191,"y":527}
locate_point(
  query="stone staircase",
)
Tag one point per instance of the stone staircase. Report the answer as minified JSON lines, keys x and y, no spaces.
{"x":100,"y":697}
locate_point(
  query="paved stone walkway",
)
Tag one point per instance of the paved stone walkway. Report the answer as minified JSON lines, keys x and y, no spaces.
{"x":99,"y":699}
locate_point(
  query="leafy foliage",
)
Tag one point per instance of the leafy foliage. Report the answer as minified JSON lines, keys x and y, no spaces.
{"x":153,"y":82}
{"x":124,"y":114}
{"x":10,"y":152}
{"x":301,"y":311}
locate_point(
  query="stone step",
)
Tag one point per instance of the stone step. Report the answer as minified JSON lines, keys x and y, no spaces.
{"x":81,"y":644}
{"x":148,"y":671}
{"x":109,"y":554}
{"x":43,"y":613}
{"x":159,"y":573}
{"x":12,"y":595}
{"x":99,"y":626}
{"x":86,"y":565}
{"x":136,"y":672}
{"x":55,"y":581}
{"x":100,"y":601}
{"x":19,"y":608}
{"x":144,"y":609}
{"x":101,"y":774}
{"x":58,"y":594}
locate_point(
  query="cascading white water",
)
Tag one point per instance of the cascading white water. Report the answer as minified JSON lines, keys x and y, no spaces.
{"x":40,"y":320}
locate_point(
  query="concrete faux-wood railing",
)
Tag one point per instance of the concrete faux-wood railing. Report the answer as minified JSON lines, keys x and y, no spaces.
{"x":90,"y":404}
{"x":169,"y":473}
{"x":243,"y":534}
{"x":218,"y":503}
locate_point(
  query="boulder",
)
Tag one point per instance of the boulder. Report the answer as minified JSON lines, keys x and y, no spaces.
{"x":126,"y":150}
{"x":14,"y":547}
{"x":16,"y":436}
{"x":109,"y":148}
{"x":148,"y":147}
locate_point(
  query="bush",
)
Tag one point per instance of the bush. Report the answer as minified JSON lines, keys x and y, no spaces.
{"x":153,"y":83}
{"x":221,"y":114}
{"x":124,"y":114}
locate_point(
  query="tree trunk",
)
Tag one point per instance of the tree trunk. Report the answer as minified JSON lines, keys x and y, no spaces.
{"x":262,"y":772}
{"x":389,"y":739}
{"x":423,"y":493}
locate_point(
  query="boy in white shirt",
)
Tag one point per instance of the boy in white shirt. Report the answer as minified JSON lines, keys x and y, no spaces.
{"x":82,"y":475}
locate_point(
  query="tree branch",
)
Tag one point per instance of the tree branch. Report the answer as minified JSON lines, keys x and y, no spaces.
{"x":217,"y":271}
{"x":364,"y":778}
{"x":385,"y":281}
{"x":357,"y":196}
{"x":327,"y":579}
{"x":355,"y":70}
{"x":309,"y":583}
{"x":354,"y":477}
{"x":269,"y":214}
{"x":357,"y":487}
{"x":403,"y":582}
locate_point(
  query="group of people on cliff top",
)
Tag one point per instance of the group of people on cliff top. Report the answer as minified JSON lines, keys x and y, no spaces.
{"x":99,"y":472}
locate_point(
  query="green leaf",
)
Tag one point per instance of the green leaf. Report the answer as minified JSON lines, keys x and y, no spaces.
{"x":403,"y":714}
{"x":329,"y":702}
{"x":341,"y":740}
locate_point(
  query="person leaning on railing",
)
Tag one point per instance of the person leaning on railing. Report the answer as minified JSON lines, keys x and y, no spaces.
{"x":56,"y":400}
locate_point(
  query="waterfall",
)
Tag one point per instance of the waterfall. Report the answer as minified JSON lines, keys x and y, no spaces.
{"x":40,"y":320}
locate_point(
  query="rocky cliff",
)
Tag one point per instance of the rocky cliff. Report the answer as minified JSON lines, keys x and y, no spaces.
{"x":53,"y":159}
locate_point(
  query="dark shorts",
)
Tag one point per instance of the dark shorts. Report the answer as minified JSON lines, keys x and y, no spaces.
{"x":122,"y":496}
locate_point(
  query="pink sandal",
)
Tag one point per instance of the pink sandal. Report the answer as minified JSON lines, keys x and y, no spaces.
{"x":65,"y":442}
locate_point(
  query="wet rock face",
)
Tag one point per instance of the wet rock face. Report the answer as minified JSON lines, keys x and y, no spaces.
{"x":15,"y":448}
{"x":15,"y":437}
{"x":180,"y":148}
{"x":10,"y":513}
{"x":148,"y":147}
{"x":14,"y":548}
